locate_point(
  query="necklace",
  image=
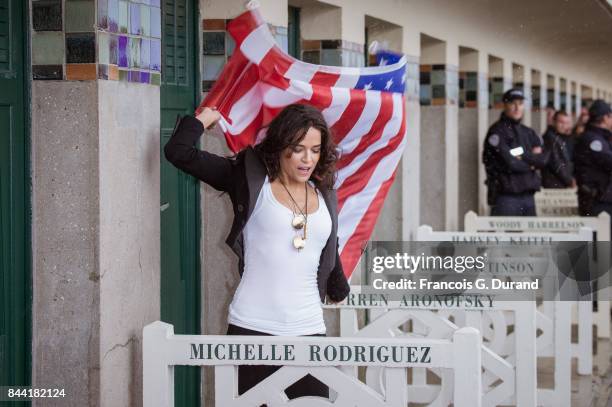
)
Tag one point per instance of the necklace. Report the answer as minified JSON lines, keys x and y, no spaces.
{"x":300,"y":220}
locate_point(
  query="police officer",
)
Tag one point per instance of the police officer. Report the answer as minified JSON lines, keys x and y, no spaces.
{"x":512,"y":155}
{"x":559,"y":171}
{"x":593,"y":161}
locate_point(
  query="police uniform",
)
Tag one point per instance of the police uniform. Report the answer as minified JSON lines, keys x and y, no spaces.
{"x":512,"y":177}
{"x":593,"y":165}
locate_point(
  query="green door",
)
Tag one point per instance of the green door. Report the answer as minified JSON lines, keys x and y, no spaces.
{"x":15,"y":295}
{"x":180,"y":220}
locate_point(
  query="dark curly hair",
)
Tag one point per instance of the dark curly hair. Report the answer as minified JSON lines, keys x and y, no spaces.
{"x":288,"y":129}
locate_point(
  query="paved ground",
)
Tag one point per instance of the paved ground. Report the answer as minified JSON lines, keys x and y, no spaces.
{"x":587,"y":391}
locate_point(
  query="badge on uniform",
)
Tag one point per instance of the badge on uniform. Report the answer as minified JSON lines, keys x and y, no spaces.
{"x":517,"y":151}
{"x":494,"y":140}
{"x":596,"y":145}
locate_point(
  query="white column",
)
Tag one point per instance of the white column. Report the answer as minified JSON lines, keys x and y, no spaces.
{"x":410,"y":165}
{"x":452,"y":136}
{"x":483,"y":127}
{"x":528,"y":97}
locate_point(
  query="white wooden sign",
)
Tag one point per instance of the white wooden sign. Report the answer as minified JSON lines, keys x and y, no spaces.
{"x":600,"y":225}
{"x":583,"y":349}
{"x":556,"y":202}
{"x":508,"y":360}
{"x":321,"y":357}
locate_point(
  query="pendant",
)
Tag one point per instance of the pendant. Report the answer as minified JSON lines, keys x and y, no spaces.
{"x":298,"y":221}
{"x":298,"y":242}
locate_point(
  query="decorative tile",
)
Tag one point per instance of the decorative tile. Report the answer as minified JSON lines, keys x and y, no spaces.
{"x":123,"y":16}
{"x":207,"y":85}
{"x":145,"y":53}
{"x":230,"y":44}
{"x":134,"y":52}
{"x":103,"y":14}
{"x":331,"y":44}
{"x":213,"y":24}
{"x":212,"y":66}
{"x":47,"y":15}
{"x":213,"y":43}
{"x":113,"y":15}
{"x":104,"y":48}
{"x":145,"y":19}
{"x":155,"y":55}
{"x":47,"y":48}
{"x":80,"y":48}
{"x":103,"y":71}
{"x":47,"y":72}
{"x":123,"y":75}
{"x":155,"y":79}
{"x":155,"y":22}
{"x":122,"y":51}
{"x":80,"y":72}
{"x":112,"y":50}
{"x":308,"y":45}
{"x":145,"y":77}
{"x":80,"y":16}
{"x":113,"y":73}
{"x":312,"y":57}
{"x":135,"y":26}
{"x":331,"y":57}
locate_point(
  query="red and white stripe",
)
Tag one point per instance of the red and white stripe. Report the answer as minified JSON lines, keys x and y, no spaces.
{"x":368,"y":126}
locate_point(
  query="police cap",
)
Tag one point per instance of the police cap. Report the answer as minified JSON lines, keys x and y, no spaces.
{"x":599,"y":108}
{"x":513,"y":94}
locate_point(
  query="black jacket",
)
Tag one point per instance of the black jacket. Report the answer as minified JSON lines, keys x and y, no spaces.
{"x":593,"y":164}
{"x":242,"y":178}
{"x":558,"y":172}
{"x":508,"y":173}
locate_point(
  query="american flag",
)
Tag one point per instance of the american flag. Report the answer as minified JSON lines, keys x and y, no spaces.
{"x":364,"y":108}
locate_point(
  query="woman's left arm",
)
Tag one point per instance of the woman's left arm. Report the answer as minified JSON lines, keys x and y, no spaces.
{"x":337,"y":284}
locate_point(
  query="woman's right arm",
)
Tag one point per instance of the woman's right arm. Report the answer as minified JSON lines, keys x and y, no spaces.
{"x":182,"y":152}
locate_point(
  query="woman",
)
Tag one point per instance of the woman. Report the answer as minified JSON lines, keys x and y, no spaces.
{"x":284,"y":230}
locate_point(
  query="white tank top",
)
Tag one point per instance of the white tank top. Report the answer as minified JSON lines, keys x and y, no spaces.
{"x":278,"y":292}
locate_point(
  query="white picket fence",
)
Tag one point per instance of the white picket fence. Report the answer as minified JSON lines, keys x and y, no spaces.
{"x":508,"y":358}
{"x":583,"y":349}
{"x":321,"y":357}
{"x":600,"y":225}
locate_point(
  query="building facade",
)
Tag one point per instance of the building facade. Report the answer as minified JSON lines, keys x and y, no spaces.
{"x":101,"y":235}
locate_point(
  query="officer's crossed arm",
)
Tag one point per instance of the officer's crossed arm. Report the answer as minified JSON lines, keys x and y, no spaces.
{"x":501,"y":148}
{"x":536,"y":157}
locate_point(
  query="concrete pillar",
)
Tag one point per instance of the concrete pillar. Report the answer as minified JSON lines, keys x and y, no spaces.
{"x":410,"y":164}
{"x":439,"y":118}
{"x":473,"y":126}
{"x":527,"y":119}
{"x":500,"y":76}
{"x":538,"y":115}
{"x":578,"y":104}
{"x":557,"y":92}
{"x":95,"y":166}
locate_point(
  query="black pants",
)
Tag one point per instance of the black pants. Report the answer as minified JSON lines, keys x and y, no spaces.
{"x":250,"y":375}
{"x":514,"y":205}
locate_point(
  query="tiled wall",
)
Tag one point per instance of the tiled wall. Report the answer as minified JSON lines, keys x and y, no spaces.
{"x":127,"y":47}
{"x":536,"y":93}
{"x":473,"y":89}
{"x":333,"y":52}
{"x":218,"y":45}
{"x":129,"y":40}
{"x":496,"y":92}
{"x":439,"y":85}
{"x":63,"y":41}
{"x":413,"y":78}
{"x":563,"y":100}
{"x":550,"y":97}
